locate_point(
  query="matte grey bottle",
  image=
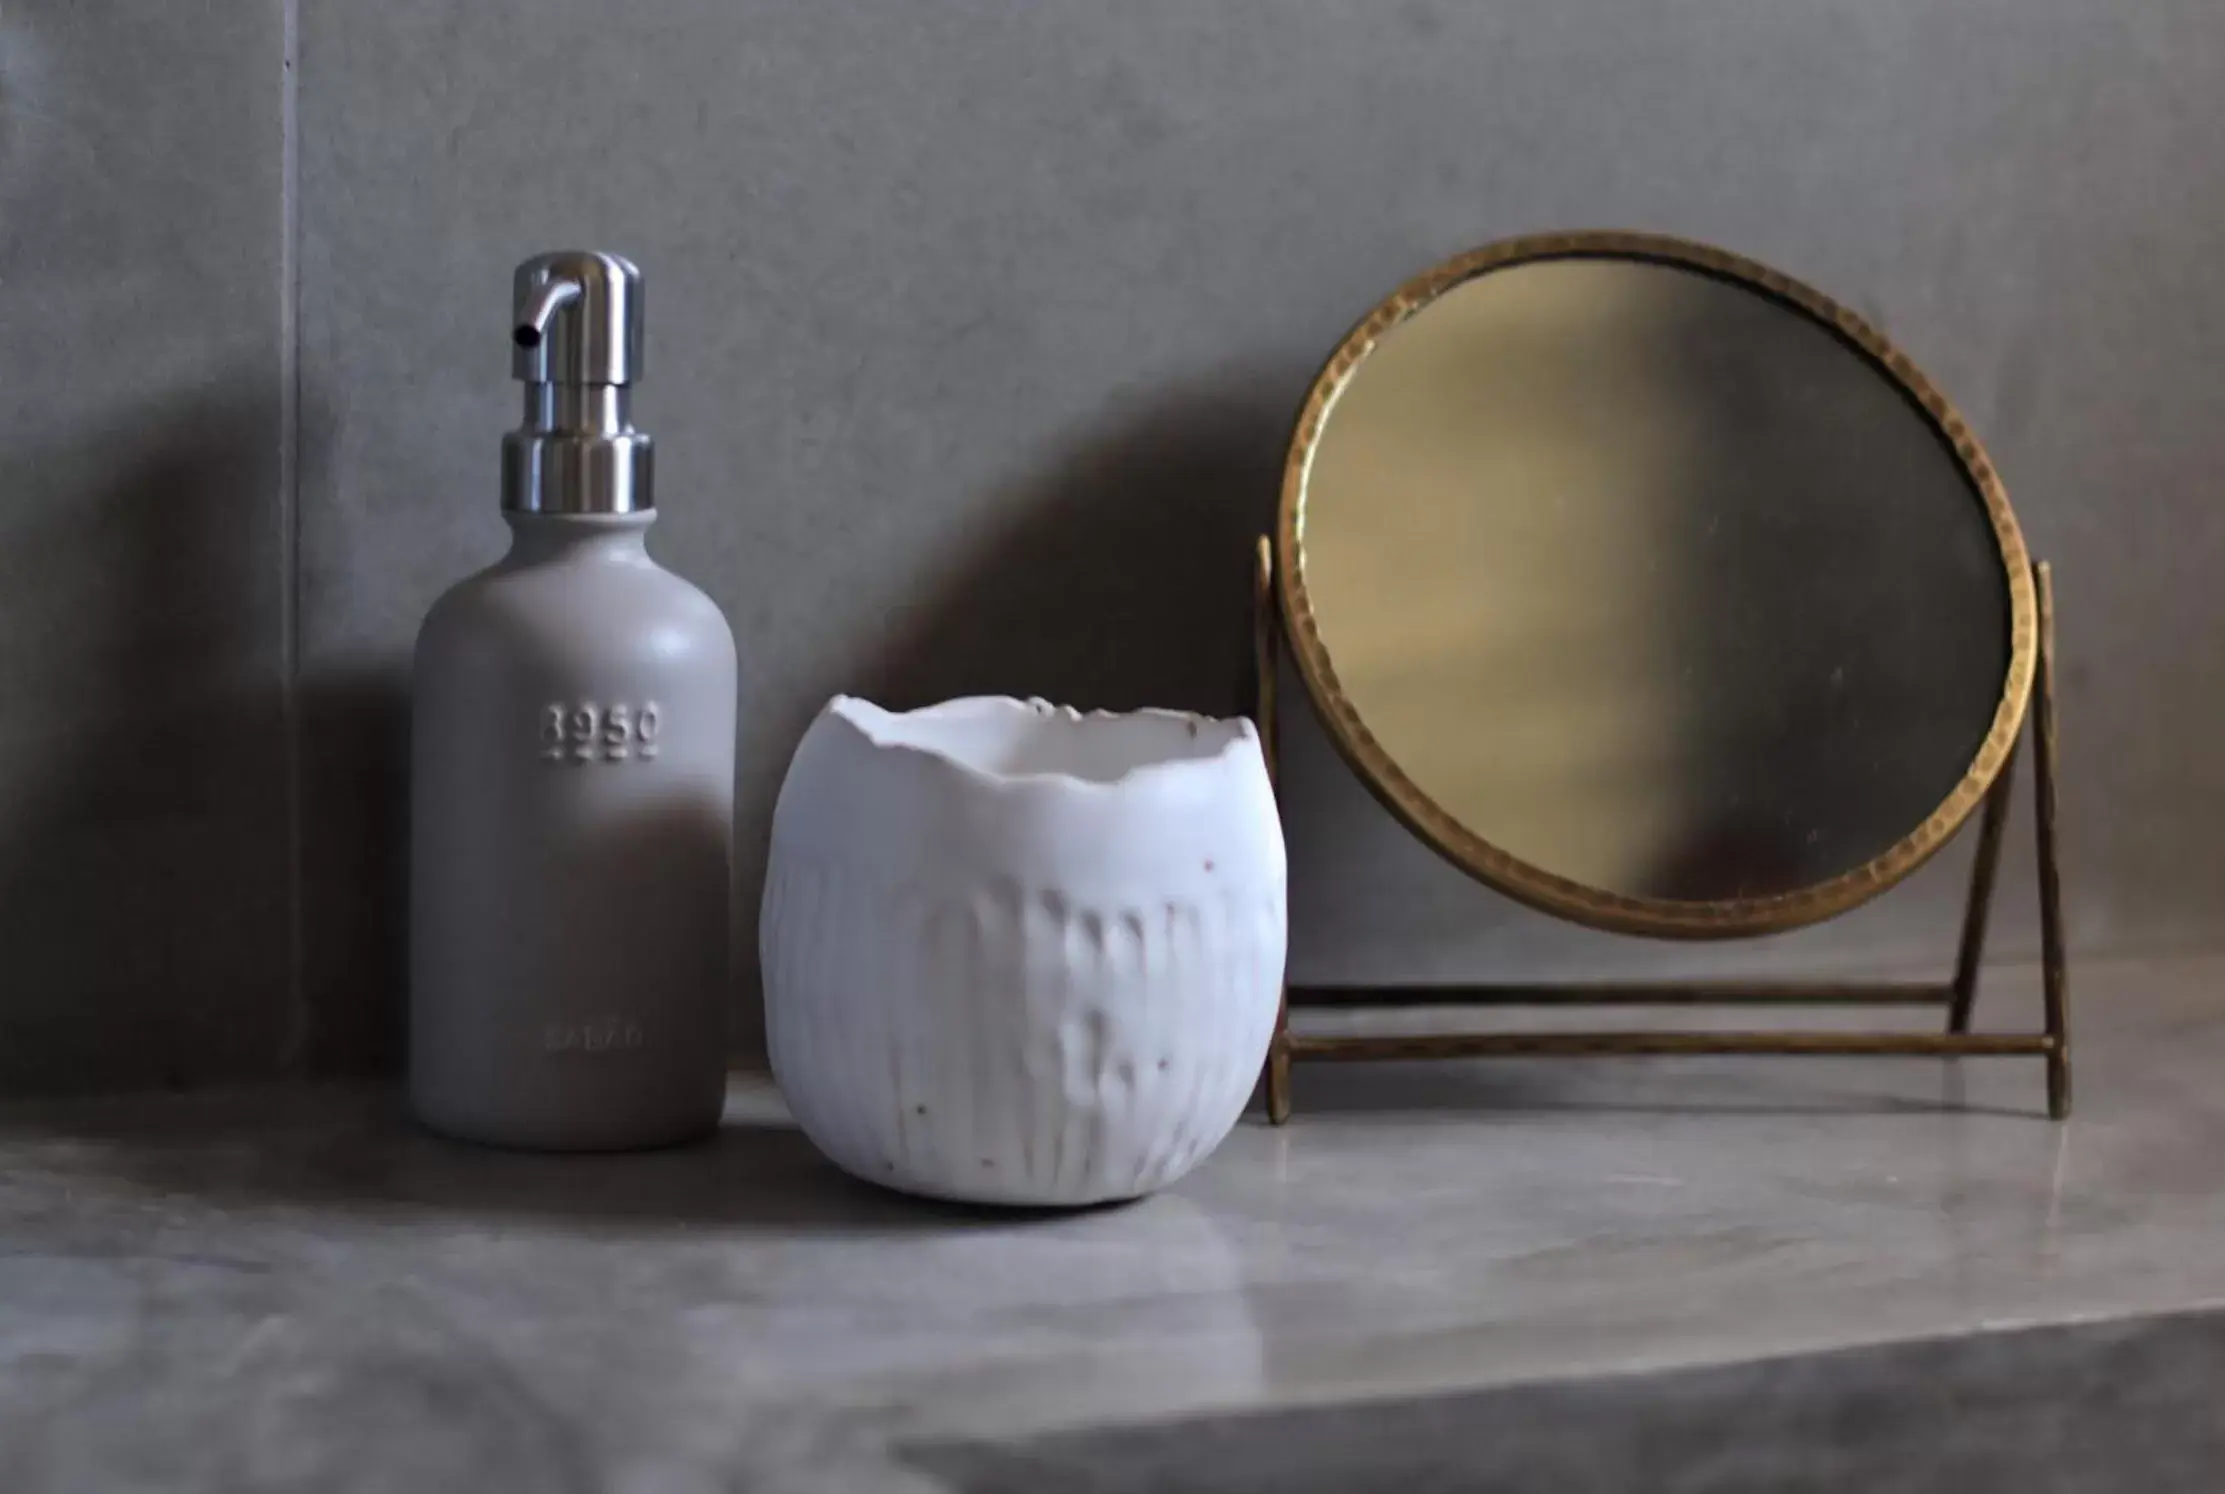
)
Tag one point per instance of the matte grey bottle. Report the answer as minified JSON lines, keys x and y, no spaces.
{"x":572,"y":777}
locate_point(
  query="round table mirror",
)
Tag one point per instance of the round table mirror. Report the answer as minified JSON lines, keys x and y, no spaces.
{"x":1651,"y":586}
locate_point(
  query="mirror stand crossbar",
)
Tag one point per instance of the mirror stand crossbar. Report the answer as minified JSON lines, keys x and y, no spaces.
{"x":1954,"y":997}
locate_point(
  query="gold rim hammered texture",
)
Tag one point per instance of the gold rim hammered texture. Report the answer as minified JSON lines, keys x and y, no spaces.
{"x":1542,"y":889}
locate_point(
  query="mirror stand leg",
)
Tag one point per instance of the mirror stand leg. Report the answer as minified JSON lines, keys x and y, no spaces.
{"x":2054,"y":972}
{"x":1995,"y":818}
{"x":1265,"y":653}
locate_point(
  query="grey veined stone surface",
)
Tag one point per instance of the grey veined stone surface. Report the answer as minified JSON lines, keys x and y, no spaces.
{"x":2089,"y":1407}
{"x":292,"y":1288}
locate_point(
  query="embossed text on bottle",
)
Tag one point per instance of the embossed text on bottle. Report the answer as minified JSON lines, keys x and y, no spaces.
{"x":611,"y":1034}
{"x":586,"y":731}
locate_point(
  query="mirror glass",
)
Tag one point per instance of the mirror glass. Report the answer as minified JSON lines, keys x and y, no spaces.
{"x":1643,"y":579}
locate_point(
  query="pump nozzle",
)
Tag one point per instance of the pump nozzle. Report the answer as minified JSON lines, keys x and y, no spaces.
{"x":534,"y":316}
{"x":575,"y":339}
{"x":575,"y":318}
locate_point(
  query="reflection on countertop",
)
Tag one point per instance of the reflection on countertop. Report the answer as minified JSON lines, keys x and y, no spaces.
{"x":293,"y":1288}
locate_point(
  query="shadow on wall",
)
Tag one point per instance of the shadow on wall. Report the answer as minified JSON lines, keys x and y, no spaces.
{"x":142,"y":760}
{"x":1118,"y":577}
{"x":354,"y":732}
{"x":354,"y":742}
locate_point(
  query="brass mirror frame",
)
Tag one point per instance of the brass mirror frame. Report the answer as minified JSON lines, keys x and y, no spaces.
{"x":1618,"y":912}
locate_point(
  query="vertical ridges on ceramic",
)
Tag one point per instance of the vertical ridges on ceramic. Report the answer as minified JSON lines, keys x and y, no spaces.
{"x":1005,"y":1042}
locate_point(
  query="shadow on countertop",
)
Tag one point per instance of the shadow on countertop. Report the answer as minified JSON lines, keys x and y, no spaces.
{"x":353,"y":1149}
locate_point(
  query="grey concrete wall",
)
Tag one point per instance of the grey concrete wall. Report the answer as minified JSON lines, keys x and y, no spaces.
{"x":975,"y":332}
{"x":143,"y":814}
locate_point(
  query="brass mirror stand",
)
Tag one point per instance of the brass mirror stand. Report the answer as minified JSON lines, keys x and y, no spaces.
{"x":2051,"y":1043}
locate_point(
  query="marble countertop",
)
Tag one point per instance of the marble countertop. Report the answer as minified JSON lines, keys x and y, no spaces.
{"x":291,"y":1288}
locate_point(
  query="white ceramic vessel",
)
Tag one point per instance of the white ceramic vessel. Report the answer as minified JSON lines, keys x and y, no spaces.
{"x":1017,"y":954}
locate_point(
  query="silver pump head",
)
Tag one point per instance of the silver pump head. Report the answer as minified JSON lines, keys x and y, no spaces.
{"x":576,"y":342}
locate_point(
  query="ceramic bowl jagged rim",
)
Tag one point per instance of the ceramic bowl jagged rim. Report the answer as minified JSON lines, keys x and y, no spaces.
{"x":1238,"y":732}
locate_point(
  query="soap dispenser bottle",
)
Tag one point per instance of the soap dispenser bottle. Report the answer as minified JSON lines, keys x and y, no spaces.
{"x":572,"y":788}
